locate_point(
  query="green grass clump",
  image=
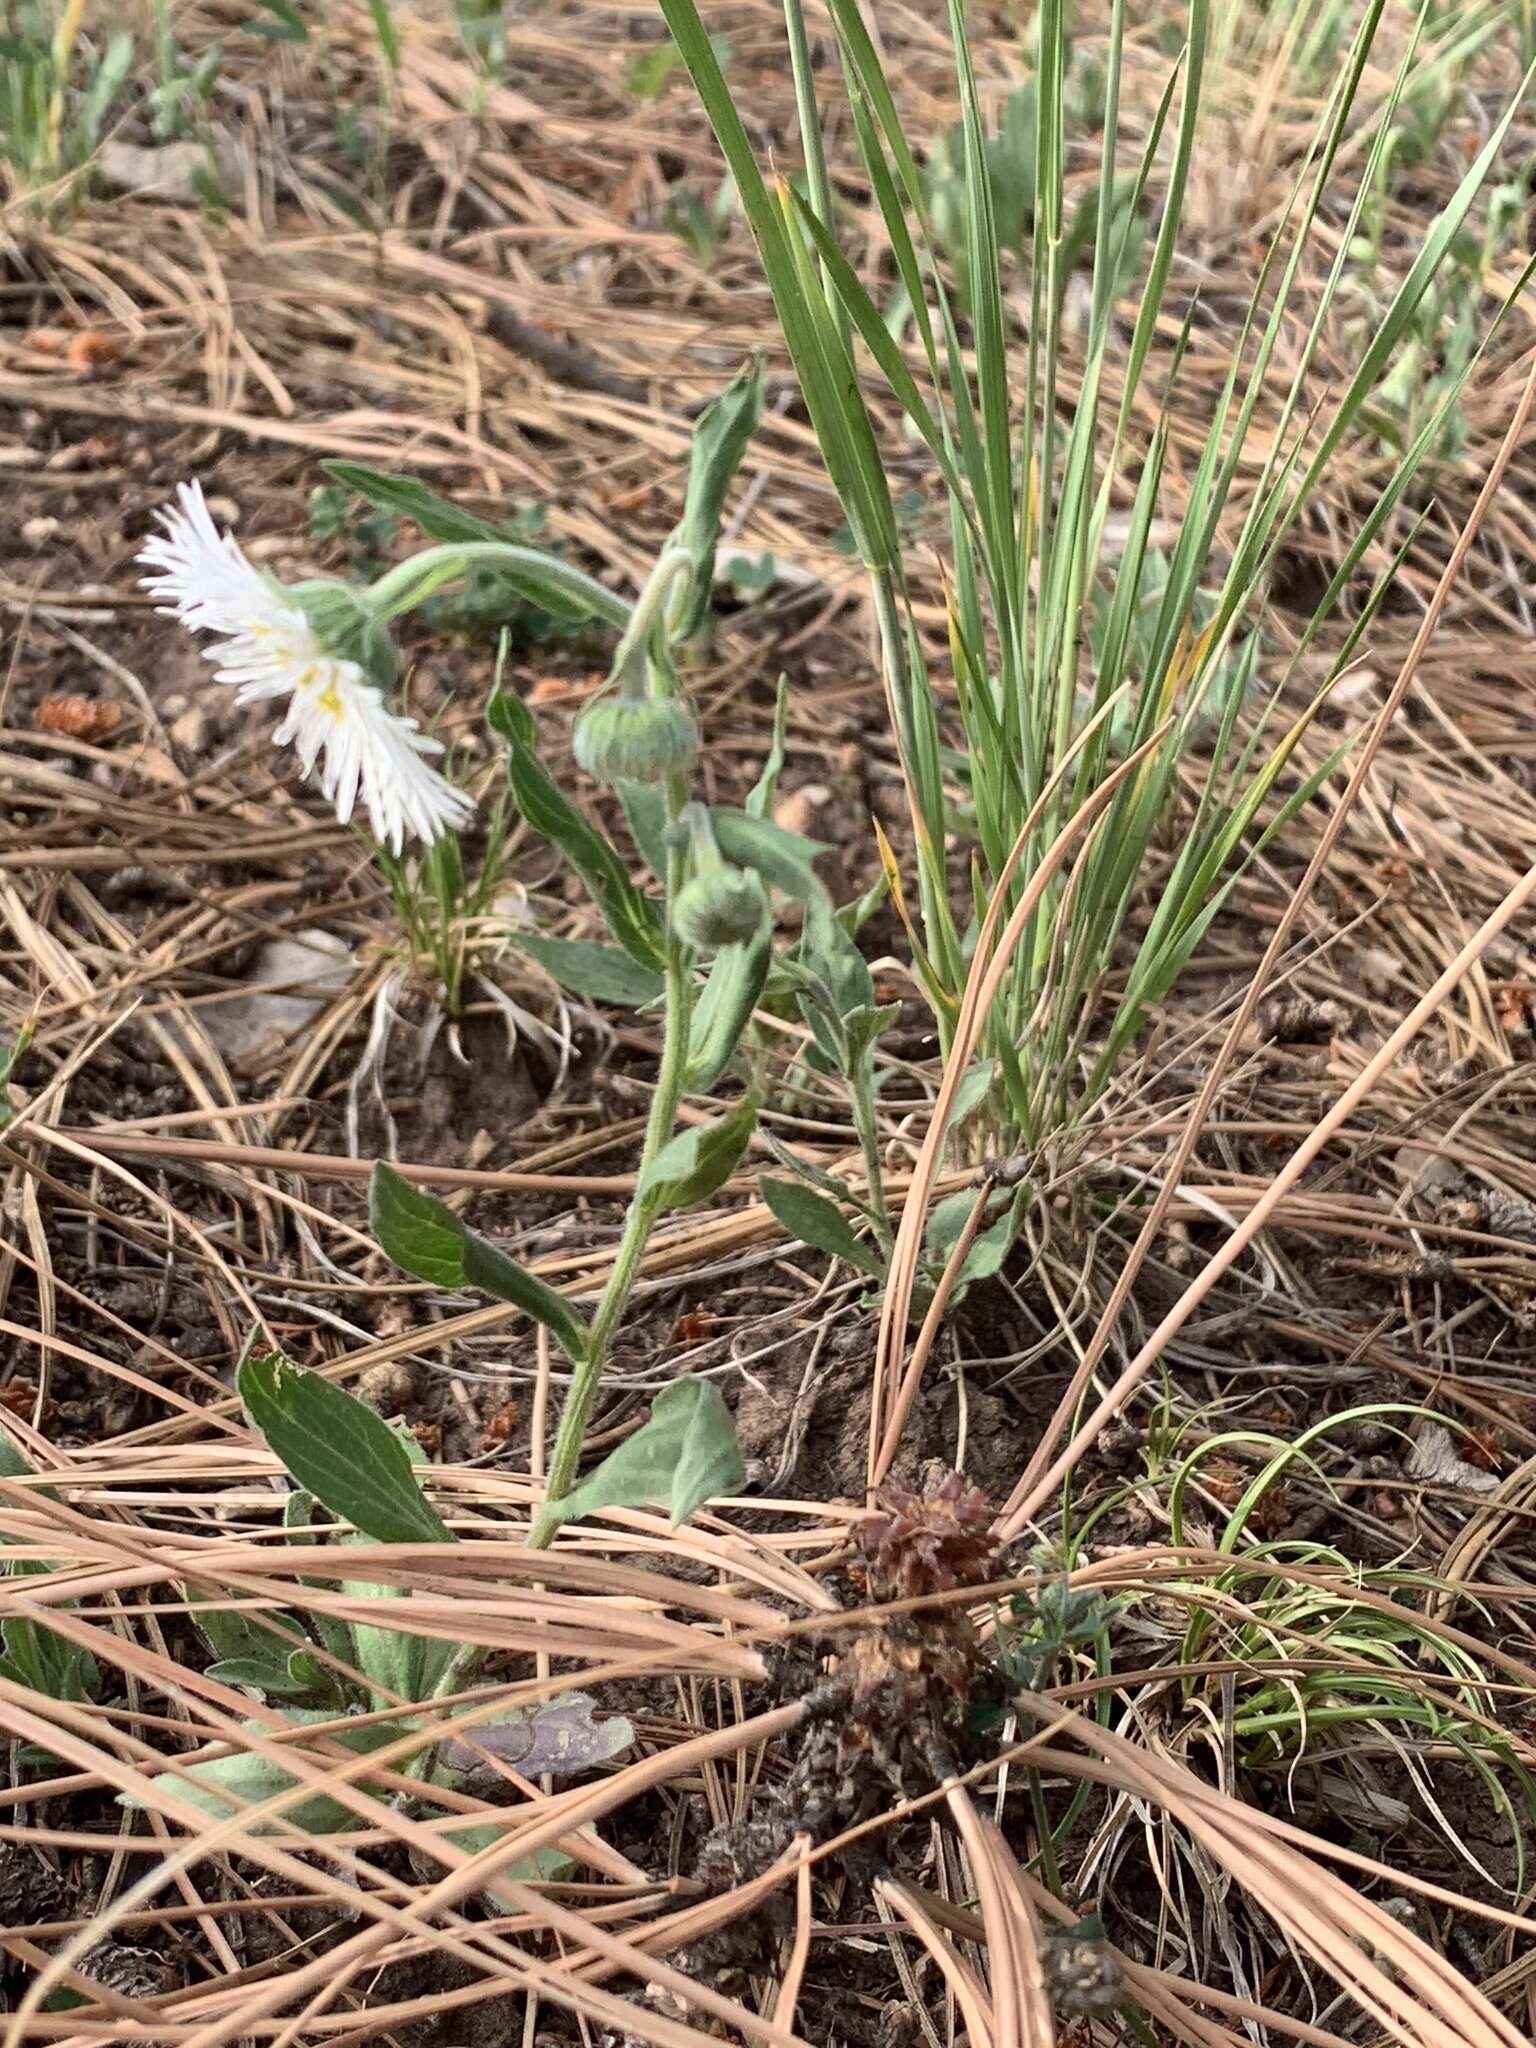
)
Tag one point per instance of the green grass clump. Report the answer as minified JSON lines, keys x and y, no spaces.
{"x":1124,"y":752}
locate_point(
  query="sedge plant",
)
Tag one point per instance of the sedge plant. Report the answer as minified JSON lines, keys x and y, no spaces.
{"x":1070,"y":647}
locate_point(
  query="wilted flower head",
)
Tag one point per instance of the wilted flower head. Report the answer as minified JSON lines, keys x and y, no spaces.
{"x":269,"y":645}
{"x":928,"y":1542}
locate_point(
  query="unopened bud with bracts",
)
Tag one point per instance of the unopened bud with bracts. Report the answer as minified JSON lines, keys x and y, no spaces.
{"x":636,"y":738}
{"x":720,"y":904}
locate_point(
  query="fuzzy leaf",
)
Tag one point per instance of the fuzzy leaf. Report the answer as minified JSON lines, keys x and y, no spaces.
{"x":38,"y":1656}
{"x":781,"y":857}
{"x":270,"y":1676}
{"x":400,"y":1668}
{"x":992,"y":1245}
{"x":690,"y":1166}
{"x":720,"y":439}
{"x":815,"y":1221}
{"x":234,"y":1633}
{"x":498,"y":1274}
{"x":602,"y":974}
{"x":558,"y":592}
{"x":724,"y":1009}
{"x":684,"y":1455}
{"x":425,"y":1238}
{"x":544,"y":1866}
{"x":631,"y":917}
{"x":421,"y":1234}
{"x":335,"y":1445}
{"x":758,"y":802}
{"x":227,"y":1784}
{"x":645,"y":813}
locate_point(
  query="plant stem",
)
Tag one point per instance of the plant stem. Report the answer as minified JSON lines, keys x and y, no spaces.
{"x":638,"y":1220}
{"x":1046,"y":1850}
{"x":398,"y":589}
{"x":648,"y":625}
{"x":861,"y":1093}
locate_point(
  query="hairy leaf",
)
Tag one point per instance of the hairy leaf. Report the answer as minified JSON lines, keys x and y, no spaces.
{"x":631,"y":917}
{"x":815,"y":1221}
{"x":690,"y":1166}
{"x":602,"y":974}
{"x":684,"y":1455}
{"x":227,"y":1785}
{"x":724,"y":1009}
{"x":720,"y":439}
{"x":425,"y":1238}
{"x":338,"y":1448}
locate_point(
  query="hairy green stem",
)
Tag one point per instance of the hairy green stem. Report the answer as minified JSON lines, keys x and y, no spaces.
{"x":638,"y":1220}
{"x":409,"y":582}
{"x":861,"y":1096}
{"x":650,"y":619}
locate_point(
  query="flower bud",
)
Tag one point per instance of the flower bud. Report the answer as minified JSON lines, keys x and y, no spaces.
{"x":349,"y":626}
{"x":723,"y":906}
{"x":628,"y":739}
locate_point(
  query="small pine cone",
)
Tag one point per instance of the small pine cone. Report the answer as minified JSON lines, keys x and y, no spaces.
{"x":132,"y":1972}
{"x":30,"y":1891}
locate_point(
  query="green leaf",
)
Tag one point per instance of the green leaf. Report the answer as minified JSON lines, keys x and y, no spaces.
{"x":751,"y":574}
{"x":400,"y":1668}
{"x":9,"y":1055}
{"x":760,"y":797}
{"x":645,"y":813}
{"x":226,"y":1785}
{"x":815,"y":1221}
{"x":691,"y":1166}
{"x":780,"y":857}
{"x":425,"y":1238}
{"x":827,"y":950}
{"x":992,"y":1245}
{"x":248,"y":1651}
{"x":720,"y":440}
{"x":647,"y":71}
{"x":724,"y":1009}
{"x":498,"y":1274}
{"x":865,"y":1024}
{"x":335,"y":1445}
{"x":544,"y":1866}
{"x":602,"y":974}
{"x":684,"y":1455}
{"x":384,"y":29}
{"x":270,"y":1676}
{"x":559,"y":589}
{"x":946,"y":1220}
{"x":631,"y":917}
{"x":421,"y":1234}
{"x":973,"y":1090}
{"x":286,"y":26}
{"x":39,"y":1656}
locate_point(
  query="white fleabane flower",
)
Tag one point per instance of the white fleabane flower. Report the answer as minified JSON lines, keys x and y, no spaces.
{"x":267,"y":647}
